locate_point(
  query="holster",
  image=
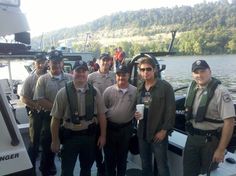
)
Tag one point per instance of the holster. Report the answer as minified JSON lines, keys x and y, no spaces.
{"x":189,"y":127}
{"x":63,"y":134}
{"x":92,"y":129}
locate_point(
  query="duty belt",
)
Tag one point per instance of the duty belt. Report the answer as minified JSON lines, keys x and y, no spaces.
{"x":81,"y":118}
{"x":112,"y":125}
{"x":78,"y":133}
{"x":205,"y":132}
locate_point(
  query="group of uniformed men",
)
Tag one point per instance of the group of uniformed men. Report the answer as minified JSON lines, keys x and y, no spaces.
{"x":85,"y":113}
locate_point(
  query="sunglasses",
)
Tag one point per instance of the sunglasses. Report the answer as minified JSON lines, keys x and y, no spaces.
{"x":146,"y":69}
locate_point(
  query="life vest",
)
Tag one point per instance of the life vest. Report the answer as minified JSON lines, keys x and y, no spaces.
{"x":73,"y":101}
{"x":204,"y":102}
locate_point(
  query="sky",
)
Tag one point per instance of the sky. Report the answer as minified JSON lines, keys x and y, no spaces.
{"x":48,"y":15}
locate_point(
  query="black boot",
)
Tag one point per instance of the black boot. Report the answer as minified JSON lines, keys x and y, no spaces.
{"x":101,"y":170}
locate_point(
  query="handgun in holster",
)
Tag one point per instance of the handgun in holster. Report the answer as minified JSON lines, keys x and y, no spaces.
{"x":92,"y":129}
{"x":189,"y":127}
{"x":64,"y":134}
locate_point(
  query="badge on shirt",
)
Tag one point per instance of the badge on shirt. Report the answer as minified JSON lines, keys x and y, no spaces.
{"x":227,"y":98}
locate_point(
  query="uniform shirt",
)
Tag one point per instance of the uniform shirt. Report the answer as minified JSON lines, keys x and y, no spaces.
{"x":28,"y":87}
{"x":48,"y":86}
{"x":220,"y":107}
{"x":120,"y":105}
{"x":61,"y":108}
{"x":101,"y":81}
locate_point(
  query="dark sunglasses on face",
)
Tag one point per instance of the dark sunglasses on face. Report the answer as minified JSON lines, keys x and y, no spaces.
{"x":146,"y":69}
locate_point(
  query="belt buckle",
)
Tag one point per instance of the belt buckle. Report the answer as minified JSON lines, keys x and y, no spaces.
{"x":208,"y":138}
{"x":78,"y":125}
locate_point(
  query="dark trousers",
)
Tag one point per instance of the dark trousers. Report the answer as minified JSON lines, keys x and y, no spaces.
{"x":99,"y":156}
{"x":82,"y":145}
{"x":116,"y":150}
{"x":198,"y":155}
{"x":47,"y":157}
{"x":35,"y":126}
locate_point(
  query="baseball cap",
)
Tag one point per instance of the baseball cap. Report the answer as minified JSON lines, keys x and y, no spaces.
{"x":105,"y":56}
{"x":40,"y":57}
{"x":199,"y":64}
{"x":55,"y":55}
{"x":79,"y":64}
{"x":122,"y":69}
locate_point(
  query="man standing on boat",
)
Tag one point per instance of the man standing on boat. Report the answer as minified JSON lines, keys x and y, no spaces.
{"x":33,"y":108}
{"x":81,"y":106}
{"x":45,"y":92}
{"x":120,"y":100}
{"x":102,"y":79}
{"x":209,"y":121}
{"x":158,"y":118}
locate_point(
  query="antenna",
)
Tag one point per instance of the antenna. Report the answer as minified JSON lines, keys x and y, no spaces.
{"x":173,"y":33}
{"x":86,"y":40}
{"x":41,"y":42}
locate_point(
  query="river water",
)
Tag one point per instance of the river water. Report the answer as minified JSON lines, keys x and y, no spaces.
{"x":178,"y":70}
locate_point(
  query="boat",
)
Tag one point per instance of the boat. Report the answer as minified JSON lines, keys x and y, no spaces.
{"x":177,"y":139}
{"x":14,"y":124}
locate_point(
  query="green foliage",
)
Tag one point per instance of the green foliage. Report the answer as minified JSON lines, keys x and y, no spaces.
{"x":207,"y":28}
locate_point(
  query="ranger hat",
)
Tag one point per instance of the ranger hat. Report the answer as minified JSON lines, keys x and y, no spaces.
{"x":199,"y":64}
{"x":122,"y":69}
{"x":55,"y":55}
{"x":79,"y":64}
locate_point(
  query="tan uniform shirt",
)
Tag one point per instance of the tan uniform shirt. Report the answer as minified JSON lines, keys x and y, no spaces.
{"x":61,"y":109}
{"x":220,"y":107}
{"x":48,"y":86}
{"x":28,"y":87}
{"x":120,"y":105}
{"x":101,"y":81}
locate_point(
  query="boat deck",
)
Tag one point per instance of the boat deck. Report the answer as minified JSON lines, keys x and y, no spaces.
{"x":132,"y":168}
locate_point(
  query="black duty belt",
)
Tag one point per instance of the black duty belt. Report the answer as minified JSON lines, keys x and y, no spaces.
{"x":80,"y":118}
{"x":77,"y":133}
{"x":205,"y":132}
{"x":33,"y":111}
{"x":112,"y":125}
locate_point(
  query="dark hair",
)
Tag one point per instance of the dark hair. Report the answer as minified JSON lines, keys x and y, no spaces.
{"x":148,"y":60}
{"x":105,"y":56}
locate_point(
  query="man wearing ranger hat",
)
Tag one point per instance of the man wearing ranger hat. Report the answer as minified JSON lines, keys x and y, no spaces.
{"x":209,"y":121}
{"x":80,"y":106}
{"x":33,"y":108}
{"x":45,"y":92}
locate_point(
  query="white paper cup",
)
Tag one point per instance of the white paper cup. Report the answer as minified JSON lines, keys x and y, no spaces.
{"x":140,"y":109}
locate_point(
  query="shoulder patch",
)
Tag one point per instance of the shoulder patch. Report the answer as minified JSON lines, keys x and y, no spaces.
{"x":227,"y":98}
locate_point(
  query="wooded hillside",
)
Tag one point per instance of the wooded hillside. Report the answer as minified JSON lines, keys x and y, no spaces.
{"x":207,"y":28}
